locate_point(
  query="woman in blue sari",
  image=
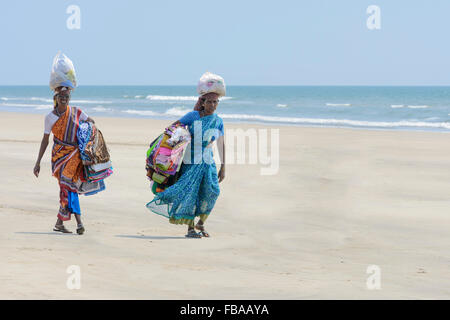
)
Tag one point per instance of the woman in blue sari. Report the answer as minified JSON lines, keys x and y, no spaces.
{"x":197,"y":189}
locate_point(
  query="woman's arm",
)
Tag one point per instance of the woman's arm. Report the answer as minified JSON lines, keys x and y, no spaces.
{"x":175,"y":123}
{"x":221,"y":147}
{"x":44,"y":144}
{"x":89,"y":119}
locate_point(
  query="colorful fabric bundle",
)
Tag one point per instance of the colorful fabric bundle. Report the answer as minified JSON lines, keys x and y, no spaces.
{"x":95,"y":158}
{"x":93,"y":149}
{"x":165,"y":156}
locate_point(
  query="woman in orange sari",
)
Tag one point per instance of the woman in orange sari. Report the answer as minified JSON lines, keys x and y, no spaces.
{"x":67,"y":167}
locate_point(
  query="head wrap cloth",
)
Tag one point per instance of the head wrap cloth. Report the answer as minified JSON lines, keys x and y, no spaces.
{"x":209,"y":86}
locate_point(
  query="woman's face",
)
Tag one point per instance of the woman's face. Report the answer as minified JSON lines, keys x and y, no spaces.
{"x":210,"y":103}
{"x":63,"y":98}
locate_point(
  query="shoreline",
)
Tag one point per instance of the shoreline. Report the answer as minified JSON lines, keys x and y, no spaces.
{"x":248,"y":123}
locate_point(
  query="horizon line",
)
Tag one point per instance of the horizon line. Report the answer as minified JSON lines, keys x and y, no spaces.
{"x":239,"y":85}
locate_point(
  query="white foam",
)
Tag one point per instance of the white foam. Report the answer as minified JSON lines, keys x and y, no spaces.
{"x":338,"y":104}
{"x":27,"y":105}
{"x":51,"y":100}
{"x":168,"y":98}
{"x":101,"y":109}
{"x":418,"y":107}
{"x":8,"y":99}
{"x":395,"y":106}
{"x":90,"y":101}
{"x":178,"y":98}
{"x":282,"y":105}
{"x":43,"y":107}
{"x":40,"y":99}
{"x":27,"y":99}
{"x":142,"y":112}
{"x":177,"y":111}
{"x":342,"y":122}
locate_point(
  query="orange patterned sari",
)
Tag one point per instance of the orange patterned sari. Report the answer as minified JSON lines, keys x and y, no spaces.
{"x":66,"y":162}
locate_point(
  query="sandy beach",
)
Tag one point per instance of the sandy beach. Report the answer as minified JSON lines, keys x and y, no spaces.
{"x":343,"y":200}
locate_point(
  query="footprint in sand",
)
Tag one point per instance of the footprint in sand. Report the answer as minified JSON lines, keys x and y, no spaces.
{"x":421,"y":270}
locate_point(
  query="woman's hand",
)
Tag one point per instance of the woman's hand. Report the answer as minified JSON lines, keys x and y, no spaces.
{"x":44,"y":144}
{"x":37,"y":169}
{"x":221,"y":174}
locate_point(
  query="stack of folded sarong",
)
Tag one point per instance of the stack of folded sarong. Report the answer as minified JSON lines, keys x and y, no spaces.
{"x":165,"y":156}
{"x":95,"y":158}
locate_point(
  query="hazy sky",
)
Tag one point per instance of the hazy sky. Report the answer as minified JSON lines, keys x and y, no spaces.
{"x":247,"y":42}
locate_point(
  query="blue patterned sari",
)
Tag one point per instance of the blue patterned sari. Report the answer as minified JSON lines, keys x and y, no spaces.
{"x":197,"y":189}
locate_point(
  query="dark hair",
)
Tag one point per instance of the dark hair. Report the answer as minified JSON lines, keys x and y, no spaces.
{"x":202,"y":106}
{"x":55,"y":101}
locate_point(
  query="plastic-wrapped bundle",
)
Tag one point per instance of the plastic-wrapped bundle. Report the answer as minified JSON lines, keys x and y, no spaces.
{"x":210,"y":82}
{"x":63,"y":72}
{"x":180,"y":134}
{"x":164,"y":160}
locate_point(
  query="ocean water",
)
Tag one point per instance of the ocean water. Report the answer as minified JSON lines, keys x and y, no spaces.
{"x":370,"y":107}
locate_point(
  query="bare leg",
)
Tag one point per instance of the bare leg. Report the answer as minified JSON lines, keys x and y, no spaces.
{"x":78,"y":218}
{"x":59,"y":222}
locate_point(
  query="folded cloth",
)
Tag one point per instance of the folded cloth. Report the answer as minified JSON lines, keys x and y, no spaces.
{"x":101,"y":188}
{"x":89,"y":188}
{"x":91,"y":143}
{"x":99,"y":151}
{"x":93,"y":176}
{"x":84,"y":136}
{"x":100,"y":166}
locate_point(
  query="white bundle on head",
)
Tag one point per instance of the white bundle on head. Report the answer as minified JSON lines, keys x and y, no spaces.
{"x":63,"y":73}
{"x":210,"y":82}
